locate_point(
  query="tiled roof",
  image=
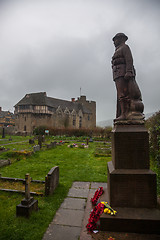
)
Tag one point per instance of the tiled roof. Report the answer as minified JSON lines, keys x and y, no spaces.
{"x":41,"y":99}
{"x":33,"y":99}
{"x":6,"y":113}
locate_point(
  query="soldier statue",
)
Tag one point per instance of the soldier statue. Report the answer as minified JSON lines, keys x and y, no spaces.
{"x":129,"y":100}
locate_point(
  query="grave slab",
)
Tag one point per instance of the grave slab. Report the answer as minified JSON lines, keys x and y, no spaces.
{"x":75,"y":217}
{"x":129,"y":219}
{"x":58,"y":232}
{"x":77,"y":192}
{"x":26,"y":210}
{"x":74,"y":203}
{"x":81,"y":185}
{"x":98,"y":184}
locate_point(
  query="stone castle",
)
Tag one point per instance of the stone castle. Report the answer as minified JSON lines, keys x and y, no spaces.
{"x":37,"y":109}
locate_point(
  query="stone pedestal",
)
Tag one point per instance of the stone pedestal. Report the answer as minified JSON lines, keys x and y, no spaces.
{"x":131,"y":186}
{"x":130,"y":147}
{"x":28,"y":204}
{"x":26,"y":207}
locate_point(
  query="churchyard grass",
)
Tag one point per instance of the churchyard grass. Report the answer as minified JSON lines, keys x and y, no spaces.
{"x":10,"y":139}
{"x":75,"y":164}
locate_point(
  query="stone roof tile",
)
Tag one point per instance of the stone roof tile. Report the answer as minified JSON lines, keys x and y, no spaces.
{"x":41,"y":99}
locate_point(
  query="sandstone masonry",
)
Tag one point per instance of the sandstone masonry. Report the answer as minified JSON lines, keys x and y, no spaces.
{"x":37,"y":109}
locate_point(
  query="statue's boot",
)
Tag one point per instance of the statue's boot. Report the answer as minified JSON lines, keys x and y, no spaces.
{"x":124,"y":109}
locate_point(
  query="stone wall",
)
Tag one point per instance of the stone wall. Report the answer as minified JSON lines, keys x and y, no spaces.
{"x":27,"y":121}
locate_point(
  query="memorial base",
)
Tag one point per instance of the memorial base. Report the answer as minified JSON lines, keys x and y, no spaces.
{"x":135,"y":220}
{"x":24,"y":209}
{"x":131,"y":187}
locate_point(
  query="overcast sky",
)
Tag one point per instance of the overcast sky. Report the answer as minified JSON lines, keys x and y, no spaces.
{"x":60,"y":46}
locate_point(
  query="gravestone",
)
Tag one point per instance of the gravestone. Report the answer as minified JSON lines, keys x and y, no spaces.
{"x":28,"y":204}
{"x":40,"y":140}
{"x":36,"y":148}
{"x":54,"y":144}
{"x":51,"y":145}
{"x":51,"y":180}
{"x":31,"y":141}
{"x":4,"y":162}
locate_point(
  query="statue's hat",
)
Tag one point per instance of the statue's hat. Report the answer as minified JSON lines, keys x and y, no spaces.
{"x":120,"y":35}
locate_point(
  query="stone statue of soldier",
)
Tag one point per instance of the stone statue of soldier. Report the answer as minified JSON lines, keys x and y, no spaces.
{"x":129,"y":100}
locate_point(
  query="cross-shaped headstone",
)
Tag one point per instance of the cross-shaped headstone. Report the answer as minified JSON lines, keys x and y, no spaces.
{"x":27,"y":186}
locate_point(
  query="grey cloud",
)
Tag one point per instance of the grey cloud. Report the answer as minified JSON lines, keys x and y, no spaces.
{"x":59,"y":47}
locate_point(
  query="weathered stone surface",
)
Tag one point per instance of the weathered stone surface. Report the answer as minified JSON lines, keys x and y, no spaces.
{"x":66,"y":113}
{"x":131,"y":184}
{"x":131,"y":187}
{"x":53,"y":144}
{"x":130,"y":147}
{"x":36,"y":148}
{"x":96,"y":185}
{"x":25,"y":210}
{"x":129,"y":179}
{"x":51,"y":180}
{"x":31,"y":141}
{"x":60,"y":232}
{"x":4,"y":162}
{"x":28,"y":204}
{"x":69,"y":217}
{"x":74,"y":203}
{"x":81,"y":185}
{"x":138,"y":220}
{"x":75,"y":192}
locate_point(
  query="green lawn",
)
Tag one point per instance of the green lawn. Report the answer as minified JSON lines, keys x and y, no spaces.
{"x":75,"y":164}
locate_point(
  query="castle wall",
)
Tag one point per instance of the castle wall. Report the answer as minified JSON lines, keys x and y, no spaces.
{"x":28,"y":119}
{"x":91,"y":105}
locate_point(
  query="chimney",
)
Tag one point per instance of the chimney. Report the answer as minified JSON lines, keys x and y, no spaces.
{"x":73,"y":99}
{"x":0,"y":109}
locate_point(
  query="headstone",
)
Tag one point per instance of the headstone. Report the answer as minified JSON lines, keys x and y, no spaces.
{"x":43,"y":138}
{"x":31,"y":141}
{"x":40,"y":141}
{"x":36,"y":148}
{"x":51,"y":180}
{"x":27,"y":187}
{"x":28,"y":204}
{"x":54,"y":144}
{"x":4,"y":162}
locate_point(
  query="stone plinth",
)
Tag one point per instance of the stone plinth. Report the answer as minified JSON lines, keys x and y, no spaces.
{"x":26,"y":207}
{"x":137,"y":220}
{"x":132,"y":185}
{"x":130,"y":147}
{"x":28,"y":204}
